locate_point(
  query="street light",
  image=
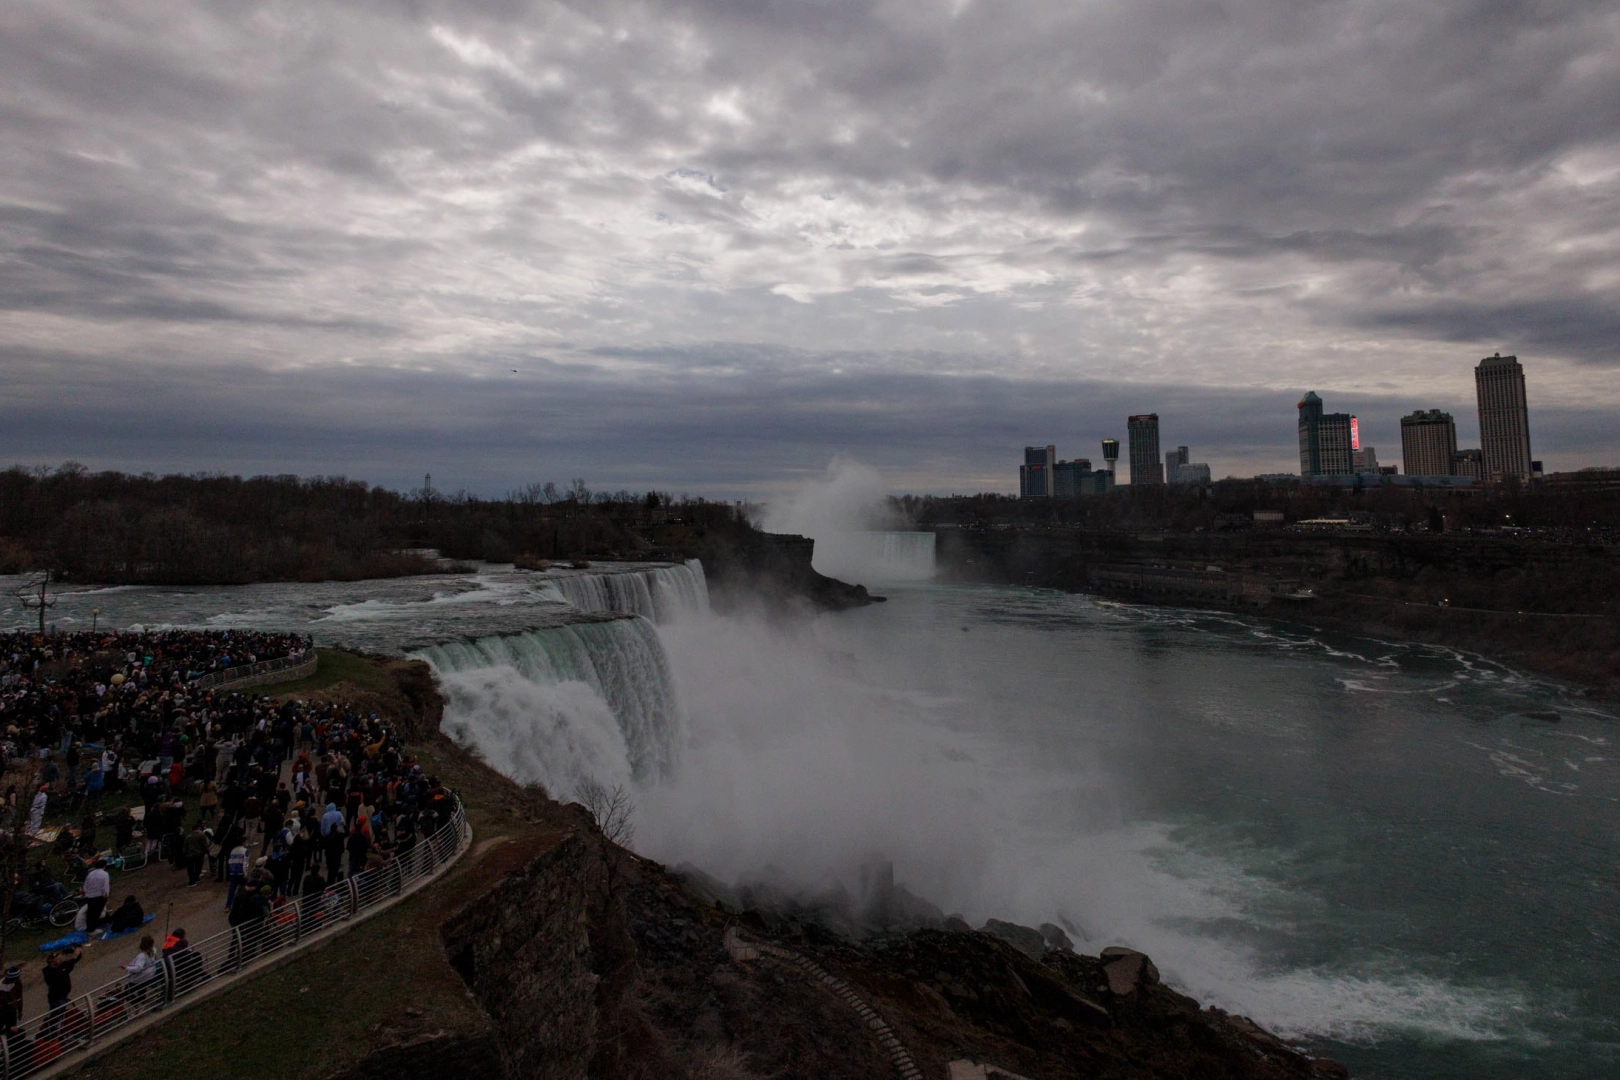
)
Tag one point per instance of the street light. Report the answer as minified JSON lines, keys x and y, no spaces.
{"x":95,"y":615}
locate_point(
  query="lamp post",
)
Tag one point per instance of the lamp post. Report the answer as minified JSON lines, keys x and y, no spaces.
{"x":95,"y":616}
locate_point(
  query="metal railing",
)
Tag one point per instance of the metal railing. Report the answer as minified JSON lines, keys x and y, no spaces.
{"x":99,"y":1017}
{"x":238,"y":672}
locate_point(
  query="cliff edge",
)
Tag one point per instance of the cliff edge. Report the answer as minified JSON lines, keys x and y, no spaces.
{"x":549,"y":951}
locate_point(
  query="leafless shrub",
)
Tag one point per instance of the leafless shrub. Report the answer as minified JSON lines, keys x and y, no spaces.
{"x":611,"y":808}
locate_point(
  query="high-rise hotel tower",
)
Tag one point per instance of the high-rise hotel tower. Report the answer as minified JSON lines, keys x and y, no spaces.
{"x":1504,"y":418}
{"x":1143,"y":432}
{"x":1428,"y":443}
{"x":1327,"y":441}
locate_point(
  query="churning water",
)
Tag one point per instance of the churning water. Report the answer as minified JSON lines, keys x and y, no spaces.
{"x":1387,"y":851}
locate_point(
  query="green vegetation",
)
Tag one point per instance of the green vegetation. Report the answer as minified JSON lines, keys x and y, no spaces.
{"x":335,"y":666}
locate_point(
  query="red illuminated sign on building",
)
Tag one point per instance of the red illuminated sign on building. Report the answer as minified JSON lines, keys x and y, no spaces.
{"x":1355,"y":435}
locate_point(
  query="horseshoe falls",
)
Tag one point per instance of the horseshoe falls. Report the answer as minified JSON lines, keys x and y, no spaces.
{"x":661,"y":594}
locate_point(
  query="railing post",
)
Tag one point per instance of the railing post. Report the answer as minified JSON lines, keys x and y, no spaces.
{"x":237,"y":948}
{"x":169,"y":988}
{"x":89,"y":1019}
{"x":354,"y":894}
{"x":5,"y":1054}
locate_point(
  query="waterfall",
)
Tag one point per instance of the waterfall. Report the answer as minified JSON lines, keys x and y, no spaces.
{"x":876,"y":556}
{"x":558,"y":705}
{"x":662,"y":594}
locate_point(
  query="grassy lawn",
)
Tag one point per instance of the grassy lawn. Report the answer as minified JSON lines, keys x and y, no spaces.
{"x":336,"y":665}
{"x":384,"y":981}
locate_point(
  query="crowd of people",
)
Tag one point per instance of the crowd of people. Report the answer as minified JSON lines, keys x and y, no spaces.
{"x":273,"y":799}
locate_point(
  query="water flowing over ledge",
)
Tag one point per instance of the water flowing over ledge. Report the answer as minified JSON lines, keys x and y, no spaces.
{"x":662,"y":593}
{"x":563,"y":704}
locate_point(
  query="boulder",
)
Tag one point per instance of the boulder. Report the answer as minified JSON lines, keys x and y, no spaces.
{"x":1055,"y":938}
{"x":1127,"y":969}
{"x":1023,"y":938}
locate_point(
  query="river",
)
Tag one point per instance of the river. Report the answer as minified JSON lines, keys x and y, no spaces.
{"x":1388,"y":852}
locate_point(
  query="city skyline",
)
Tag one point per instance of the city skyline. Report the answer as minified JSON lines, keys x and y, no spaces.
{"x":688,"y":245}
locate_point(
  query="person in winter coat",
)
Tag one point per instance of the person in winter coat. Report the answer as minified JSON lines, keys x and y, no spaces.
{"x":128,"y":916}
{"x":36,"y":811}
{"x":143,"y":970}
{"x":359,"y":845}
{"x":236,"y":868}
{"x":196,"y":851}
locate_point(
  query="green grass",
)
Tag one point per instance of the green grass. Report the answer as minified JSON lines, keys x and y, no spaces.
{"x":313,"y":1016}
{"x":335,"y":666}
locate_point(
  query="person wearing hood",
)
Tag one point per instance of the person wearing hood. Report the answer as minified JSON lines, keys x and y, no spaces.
{"x":332,"y":819}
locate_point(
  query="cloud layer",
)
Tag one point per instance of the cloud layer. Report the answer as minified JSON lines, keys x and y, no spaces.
{"x":759,"y":234}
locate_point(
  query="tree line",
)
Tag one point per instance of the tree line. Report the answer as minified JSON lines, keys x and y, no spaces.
{"x":119,"y":528}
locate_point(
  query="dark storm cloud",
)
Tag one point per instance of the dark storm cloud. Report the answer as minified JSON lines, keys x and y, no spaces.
{"x":792,"y":228}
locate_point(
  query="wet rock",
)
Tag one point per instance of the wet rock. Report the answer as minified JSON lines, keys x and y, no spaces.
{"x":957,"y":925}
{"x":1026,"y":940}
{"x":1127,"y":969}
{"x":1055,"y":938}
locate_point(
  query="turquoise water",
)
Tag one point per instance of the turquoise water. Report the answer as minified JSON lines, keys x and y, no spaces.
{"x":1419,"y":876}
{"x":1372,"y":848}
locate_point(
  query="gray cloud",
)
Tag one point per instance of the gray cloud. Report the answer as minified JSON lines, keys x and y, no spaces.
{"x":749,"y":423}
{"x":789,"y":229}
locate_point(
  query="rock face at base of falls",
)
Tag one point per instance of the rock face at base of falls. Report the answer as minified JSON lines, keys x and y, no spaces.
{"x":583,"y":960}
{"x":593,"y":962}
{"x":774,"y":569}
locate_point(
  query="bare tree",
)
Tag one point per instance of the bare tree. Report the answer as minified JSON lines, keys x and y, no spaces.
{"x":611,"y":808}
{"x":14,"y":842}
{"x":34,"y":596}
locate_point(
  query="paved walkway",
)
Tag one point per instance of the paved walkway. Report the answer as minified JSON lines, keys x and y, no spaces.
{"x":162,"y":890}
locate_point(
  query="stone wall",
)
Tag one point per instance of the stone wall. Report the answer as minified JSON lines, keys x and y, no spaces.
{"x":547,"y":954}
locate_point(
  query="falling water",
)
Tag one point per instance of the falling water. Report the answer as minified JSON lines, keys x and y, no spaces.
{"x":558,"y":705}
{"x":661,"y":594}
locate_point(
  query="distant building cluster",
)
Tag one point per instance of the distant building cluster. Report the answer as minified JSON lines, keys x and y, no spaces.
{"x":1329,"y":447}
{"x":1329,"y":443}
{"x":1043,"y":476}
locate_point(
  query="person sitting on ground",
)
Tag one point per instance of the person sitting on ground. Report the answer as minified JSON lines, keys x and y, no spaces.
{"x":42,"y":883}
{"x":128,"y":916}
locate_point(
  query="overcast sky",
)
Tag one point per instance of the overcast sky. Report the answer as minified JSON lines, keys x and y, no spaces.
{"x":706,"y":246}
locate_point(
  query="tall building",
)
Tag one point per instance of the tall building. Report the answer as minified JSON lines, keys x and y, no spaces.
{"x":1036,"y":479}
{"x":1469,"y":463}
{"x":1504,"y":418}
{"x":1428,"y":443}
{"x":1179,"y":468}
{"x":1076,"y":479}
{"x":1110,"y":455}
{"x":1143,"y":433}
{"x":1326,"y":440}
{"x":1364,"y":460}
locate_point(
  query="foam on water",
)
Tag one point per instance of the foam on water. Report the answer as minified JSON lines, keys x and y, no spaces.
{"x":558,"y":705}
{"x":784,"y":771}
